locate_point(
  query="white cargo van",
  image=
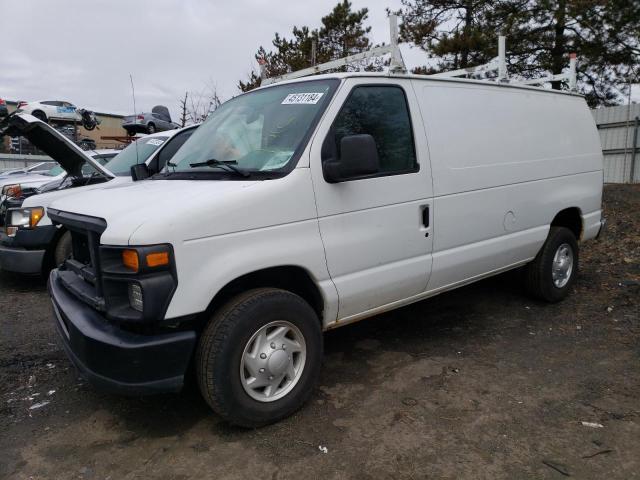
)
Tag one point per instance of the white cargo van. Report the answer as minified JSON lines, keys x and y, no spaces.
{"x":311,"y":204}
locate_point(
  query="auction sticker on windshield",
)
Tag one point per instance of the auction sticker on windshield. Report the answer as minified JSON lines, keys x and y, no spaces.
{"x":302,"y":98}
{"x":155,"y":141}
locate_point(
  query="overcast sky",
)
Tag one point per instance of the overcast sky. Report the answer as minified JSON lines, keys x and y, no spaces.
{"x":83,"y":51}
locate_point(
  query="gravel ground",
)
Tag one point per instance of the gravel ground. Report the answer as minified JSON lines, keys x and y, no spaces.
{"x":477,"y":383}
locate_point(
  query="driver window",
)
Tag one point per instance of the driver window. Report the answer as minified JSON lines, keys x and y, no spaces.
{"x":382,"y":112}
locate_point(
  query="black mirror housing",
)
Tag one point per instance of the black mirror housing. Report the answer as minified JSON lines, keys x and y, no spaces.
{"x":358,"y":158}
{"x":140,"y":171}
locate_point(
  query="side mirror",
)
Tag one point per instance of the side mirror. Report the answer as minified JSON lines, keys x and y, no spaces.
{"x":358,"y":158}
{"x":140,"y":171}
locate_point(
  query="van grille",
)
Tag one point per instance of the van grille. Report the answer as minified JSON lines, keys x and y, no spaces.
{"x":81,"y":274}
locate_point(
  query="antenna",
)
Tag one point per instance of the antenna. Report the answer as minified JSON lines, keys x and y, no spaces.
{"x":135,"y":114}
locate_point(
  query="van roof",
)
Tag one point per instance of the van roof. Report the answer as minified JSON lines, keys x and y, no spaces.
{"x":426,"y":78}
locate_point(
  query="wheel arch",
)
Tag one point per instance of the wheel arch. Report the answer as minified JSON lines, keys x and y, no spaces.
{"x":570,"y":218}
{"x":37,"y":111}
{"x":292,"y":278}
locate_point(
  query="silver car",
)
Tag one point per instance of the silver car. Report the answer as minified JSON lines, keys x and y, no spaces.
{"x":158,"y":120}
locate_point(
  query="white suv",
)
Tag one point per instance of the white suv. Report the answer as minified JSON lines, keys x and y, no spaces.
{"x":311,"y":204}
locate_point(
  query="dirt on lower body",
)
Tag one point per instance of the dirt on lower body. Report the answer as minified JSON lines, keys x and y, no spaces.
{"x":480,"y":382}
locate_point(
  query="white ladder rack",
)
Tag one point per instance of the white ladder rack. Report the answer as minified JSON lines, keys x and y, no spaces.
{"x":397,"y":65}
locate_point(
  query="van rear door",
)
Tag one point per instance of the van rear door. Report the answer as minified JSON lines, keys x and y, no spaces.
{"x":376,"y":227}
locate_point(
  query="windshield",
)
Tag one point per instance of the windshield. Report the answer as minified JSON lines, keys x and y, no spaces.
{"x":137,"y":152}
{"x":54,"y":172}
{"x":258,"y":132}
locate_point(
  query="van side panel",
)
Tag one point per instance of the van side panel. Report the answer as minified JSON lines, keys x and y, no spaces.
{"x":485,"y":136}
{"x":505,"y":161}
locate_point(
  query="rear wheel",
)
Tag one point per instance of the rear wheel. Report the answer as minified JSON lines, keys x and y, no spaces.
{"x":553,"y":272}
{"x":151,"y":128}
{"x":259,"y":357}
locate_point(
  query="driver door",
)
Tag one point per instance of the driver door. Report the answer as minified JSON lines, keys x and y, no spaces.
{"x":376,"y":230}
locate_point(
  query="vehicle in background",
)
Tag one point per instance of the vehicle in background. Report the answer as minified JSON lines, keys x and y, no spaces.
{"x":30,"y":181}
{"x":3,"y":108}
{"x":36,"y":245}
{"x":311,"y":204}
{"x":38,"y":168}
{"x":46,"y":110}
{"x":159,"y":120}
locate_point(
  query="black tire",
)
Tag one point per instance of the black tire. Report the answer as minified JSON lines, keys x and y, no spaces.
{"x":40,"y":115}
{"x":222,"y":344}
{"x":62,"y":250}
{"x":538,"y":274}
{"x":151,"y":128}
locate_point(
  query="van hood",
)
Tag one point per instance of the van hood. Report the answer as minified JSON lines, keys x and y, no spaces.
{"x":126,"y":206}
{"x":70,"y":157}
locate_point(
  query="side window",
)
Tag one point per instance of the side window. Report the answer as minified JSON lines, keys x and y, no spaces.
{"x":382,"y":112}
{"x":169,"y":150}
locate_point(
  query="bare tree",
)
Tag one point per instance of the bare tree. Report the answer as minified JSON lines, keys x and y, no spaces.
{"x":202,"y":103}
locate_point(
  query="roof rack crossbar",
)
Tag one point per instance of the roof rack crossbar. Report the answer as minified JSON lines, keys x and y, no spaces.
{"x":396,"y":65}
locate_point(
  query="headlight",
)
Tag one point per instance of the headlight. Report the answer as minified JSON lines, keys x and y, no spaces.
{"x":138,"y":281}
{"x":23,"y":218}
{"x":135,"y":297}
{"x":14,"y":190}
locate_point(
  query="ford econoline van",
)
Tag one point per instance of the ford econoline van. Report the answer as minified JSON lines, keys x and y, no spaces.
{"x":311,"y":204}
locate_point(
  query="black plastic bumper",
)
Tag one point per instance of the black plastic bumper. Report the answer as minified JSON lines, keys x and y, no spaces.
{"x":116,"y":360}
{"x":20,"y":260}
{"x":25,"y":252}
{"x":603,"y":225}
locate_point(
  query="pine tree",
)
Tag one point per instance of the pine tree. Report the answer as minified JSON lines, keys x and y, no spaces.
{"x":540,"y":35}
{"x":342,"y":33}
{"x":453,"y":32}
{"x":604,"y":34}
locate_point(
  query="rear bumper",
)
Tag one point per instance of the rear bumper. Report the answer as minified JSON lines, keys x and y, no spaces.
{"x":603,"y":224}
{"x":114,"y":359}
{"x":20,"y":260}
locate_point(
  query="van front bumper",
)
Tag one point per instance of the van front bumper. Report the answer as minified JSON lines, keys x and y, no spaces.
{"x":114,"y":359}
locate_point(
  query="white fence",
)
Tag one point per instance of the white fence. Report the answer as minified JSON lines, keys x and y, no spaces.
{"x":8,"y":160}
{"x":620,"y":138}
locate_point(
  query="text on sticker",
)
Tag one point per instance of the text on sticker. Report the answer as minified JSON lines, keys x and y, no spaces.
{"x":155,"y":141}
{"x":302,"y":98}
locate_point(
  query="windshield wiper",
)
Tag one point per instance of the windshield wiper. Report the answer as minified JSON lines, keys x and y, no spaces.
{"x":228,"y":165}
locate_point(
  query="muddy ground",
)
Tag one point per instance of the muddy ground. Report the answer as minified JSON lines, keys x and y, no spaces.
{"x":481,"y":382}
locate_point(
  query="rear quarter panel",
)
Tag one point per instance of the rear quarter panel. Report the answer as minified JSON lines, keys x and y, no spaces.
{"x":505,"y":161}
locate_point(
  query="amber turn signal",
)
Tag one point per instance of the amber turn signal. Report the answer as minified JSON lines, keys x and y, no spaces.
{"x":157,"y":259}
{"x":130,"y":259}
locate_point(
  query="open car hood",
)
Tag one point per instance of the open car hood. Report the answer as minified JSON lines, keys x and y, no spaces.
{"x":70,"y":157}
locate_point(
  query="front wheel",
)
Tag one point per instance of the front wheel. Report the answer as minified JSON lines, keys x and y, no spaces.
{"x":62,"y":250}
{"x":553,"y":272}
{"x":259,"y":357}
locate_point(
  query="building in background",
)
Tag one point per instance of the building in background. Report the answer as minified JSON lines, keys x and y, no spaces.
{"x":619,"y":134}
